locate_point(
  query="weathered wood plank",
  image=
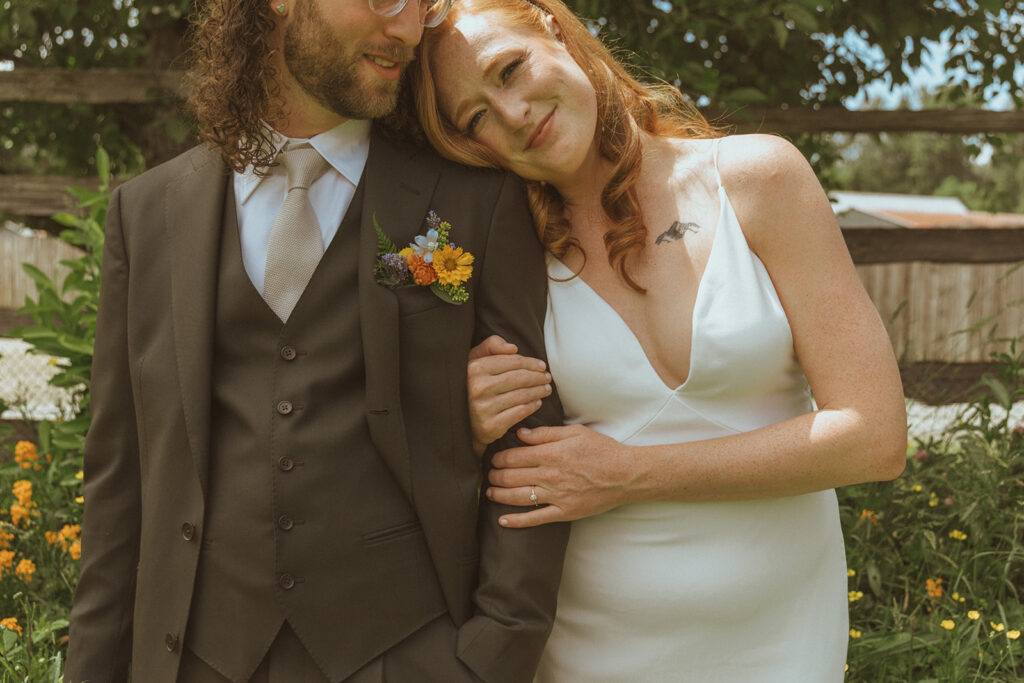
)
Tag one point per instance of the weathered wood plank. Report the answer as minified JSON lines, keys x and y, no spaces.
{"x":89,"y":86}
{"x":838,"y":120}
{"x":28,"y":195}
{"x":136,"y":86}
{"x":938,"y":245}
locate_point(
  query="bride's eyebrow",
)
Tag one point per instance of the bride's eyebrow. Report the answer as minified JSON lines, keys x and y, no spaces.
{"x":488,"y":70}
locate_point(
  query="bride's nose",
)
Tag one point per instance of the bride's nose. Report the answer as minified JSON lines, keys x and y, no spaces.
{"x":513,"y":111}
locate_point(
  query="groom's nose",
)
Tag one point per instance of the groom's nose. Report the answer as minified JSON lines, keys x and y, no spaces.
{"x":405,"y":26}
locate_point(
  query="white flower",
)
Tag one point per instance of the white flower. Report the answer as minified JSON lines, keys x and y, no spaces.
{"x":424,"y":245}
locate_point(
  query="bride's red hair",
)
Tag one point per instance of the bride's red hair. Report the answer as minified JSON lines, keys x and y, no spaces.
{"x":625,"y":107}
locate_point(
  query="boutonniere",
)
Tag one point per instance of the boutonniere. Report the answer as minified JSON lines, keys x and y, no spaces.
{"x":431,"y":260}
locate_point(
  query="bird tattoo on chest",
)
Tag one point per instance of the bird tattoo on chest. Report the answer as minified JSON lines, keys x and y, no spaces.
{"x":676,"y":232}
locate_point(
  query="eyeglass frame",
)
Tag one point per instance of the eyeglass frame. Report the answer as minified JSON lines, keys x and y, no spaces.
{"x":447,"y":4}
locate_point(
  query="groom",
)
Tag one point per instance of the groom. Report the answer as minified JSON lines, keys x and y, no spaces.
{"x":280,"y":484}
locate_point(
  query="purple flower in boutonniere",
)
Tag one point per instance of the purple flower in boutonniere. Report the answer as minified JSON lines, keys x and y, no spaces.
{"x":444,"y":269}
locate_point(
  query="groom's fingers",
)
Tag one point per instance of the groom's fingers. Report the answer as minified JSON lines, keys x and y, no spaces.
{"x":503,"y":421}
{"x":493,"y":345}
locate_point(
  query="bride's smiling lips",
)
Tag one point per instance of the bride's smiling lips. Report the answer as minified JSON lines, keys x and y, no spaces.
{"x":540,"y":132}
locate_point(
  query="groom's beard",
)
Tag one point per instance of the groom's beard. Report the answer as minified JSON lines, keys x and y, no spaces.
{"x":332,"y":72}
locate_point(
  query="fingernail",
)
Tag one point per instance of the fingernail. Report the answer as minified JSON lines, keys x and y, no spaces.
{"x":541,"y":364}
{"x":547,"y":376}
{"x":503,"y":521}
{"x":525,"y":430}
{"x":489,"y":493}
{"x":547,"y":388}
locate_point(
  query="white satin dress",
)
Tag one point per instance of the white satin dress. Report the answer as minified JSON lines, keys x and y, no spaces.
{"x":737,"y":592}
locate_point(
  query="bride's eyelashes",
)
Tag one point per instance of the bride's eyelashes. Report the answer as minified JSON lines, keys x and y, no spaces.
{"x":504,"y":76}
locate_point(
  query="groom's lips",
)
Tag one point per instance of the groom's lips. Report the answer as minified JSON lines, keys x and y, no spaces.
{"x":388,"y":69}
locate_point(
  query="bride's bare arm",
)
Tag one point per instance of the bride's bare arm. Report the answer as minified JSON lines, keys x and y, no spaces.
{"x":857,"y":433}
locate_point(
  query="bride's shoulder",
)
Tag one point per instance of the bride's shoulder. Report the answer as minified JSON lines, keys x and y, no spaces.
{"x":766,"y":177}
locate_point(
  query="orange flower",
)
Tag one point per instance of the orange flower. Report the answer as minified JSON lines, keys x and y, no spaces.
{"x":871,"y":516}
{"x":5,"y":540}
{"x":25,"y":569}
{"x":18,"y":513}
{"x":11,"y":624}
{"x":6,"y":560}
{"x":934,"y":587}
{"x":422,"y":272}
{"x":51,"y":537}
{"x":23,"y":492}
{"x":25,"y":451}
{"x":75,"y":550}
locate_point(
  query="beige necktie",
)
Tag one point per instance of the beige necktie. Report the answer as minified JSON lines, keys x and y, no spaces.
{"x":295,"y":241}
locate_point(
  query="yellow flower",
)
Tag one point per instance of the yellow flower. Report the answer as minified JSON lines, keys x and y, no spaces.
{"x":25,"y":569}
{"x":1013,"y":635}
{"x":933,"y":499}
{"x":80,"y":500}
{"x":854,"y":596}
{"x":453,"y":266}
{"x":958,"y":535}
{"x":80,"y":474}
{"x":948,"y":624}
{"x":997,"y":627}
{"x":851,"y":572}
{"x":854,"y":633}
{"x":934,"y":587}
{"x":917,"y":488}
{"x":974,"y":615}
{"x":956,"y":596}
{"x":75,"y":550}
{"x":406,"y":253}
{"x":52,"y":361}
{"x":11,"y":624}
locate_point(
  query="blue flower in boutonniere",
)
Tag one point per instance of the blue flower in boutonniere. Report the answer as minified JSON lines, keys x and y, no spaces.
{"x":430,"y":260}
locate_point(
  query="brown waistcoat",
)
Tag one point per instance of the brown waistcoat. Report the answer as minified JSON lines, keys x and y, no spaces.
{"x":304,"y":520}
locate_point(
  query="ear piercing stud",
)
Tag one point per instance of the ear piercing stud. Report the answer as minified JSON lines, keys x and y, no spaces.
{"x":281,"y":9}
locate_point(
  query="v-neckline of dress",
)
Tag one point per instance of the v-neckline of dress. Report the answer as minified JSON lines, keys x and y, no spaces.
{"x":723,"y":200}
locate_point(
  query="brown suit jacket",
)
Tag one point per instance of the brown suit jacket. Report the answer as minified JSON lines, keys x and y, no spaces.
{"x":147,"y":449}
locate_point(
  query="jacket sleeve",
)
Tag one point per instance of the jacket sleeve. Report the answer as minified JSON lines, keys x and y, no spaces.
{"x":99,"y":649}
{"x":519,"y":568}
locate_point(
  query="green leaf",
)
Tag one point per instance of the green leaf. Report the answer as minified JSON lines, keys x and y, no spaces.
{"x":746,"y":96}
{"x":8,"y":640}
{"x":930,"y":536}
{"x":41,"y":631}
{"x":781,"y":32}
{"x":874,"y":578}
{"x":384,"y":243}
{"x":103,"y":168}
{"x":999,"y":391}
{"x":67,"y":219}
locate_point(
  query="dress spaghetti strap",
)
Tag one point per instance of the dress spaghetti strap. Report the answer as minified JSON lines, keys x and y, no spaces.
{"x":714,"y":158}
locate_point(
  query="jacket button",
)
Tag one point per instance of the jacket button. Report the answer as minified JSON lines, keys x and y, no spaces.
{"x":188,"y":531}
{"x":286,"y":464}
{"x":285,"y":407}
{"x":288,"y":352}
{"x":286,"y":581}
{"x":285,"y":522}
{"x":171,"y":641}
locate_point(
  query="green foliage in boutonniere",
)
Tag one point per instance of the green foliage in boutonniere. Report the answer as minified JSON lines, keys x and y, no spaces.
{"x":431,"y":260}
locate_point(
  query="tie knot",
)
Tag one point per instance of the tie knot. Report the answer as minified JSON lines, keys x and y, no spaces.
{"x":304,"y":165}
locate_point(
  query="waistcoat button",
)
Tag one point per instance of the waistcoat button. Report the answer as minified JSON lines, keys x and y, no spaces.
{"x":188,"y":531}
{"x":171,"y":642}
{"x":286,"y":464}
{"x":286,"y":581}
{"x":288,"y":352}
{"x":285,"y":407}
{"x":285,"y":522}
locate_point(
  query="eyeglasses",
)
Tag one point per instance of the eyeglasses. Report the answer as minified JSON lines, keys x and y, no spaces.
{"x":432,"y":12}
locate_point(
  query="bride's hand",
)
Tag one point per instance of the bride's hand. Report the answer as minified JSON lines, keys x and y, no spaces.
{"x":504,"y":388}
{"x":574,"y":472}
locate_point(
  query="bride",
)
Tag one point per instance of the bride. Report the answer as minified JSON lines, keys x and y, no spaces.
{"x":700,"y":293}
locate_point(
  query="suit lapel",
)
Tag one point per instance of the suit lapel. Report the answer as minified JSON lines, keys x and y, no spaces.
{"x":399,"y":186}
{"x":194,"y":213}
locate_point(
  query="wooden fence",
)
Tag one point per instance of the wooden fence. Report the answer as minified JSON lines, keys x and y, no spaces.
{"x":942,"y":291}
{"x":42,"y":251}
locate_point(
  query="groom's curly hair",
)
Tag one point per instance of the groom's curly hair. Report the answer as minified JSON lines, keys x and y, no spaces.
{"x":233,"y":81}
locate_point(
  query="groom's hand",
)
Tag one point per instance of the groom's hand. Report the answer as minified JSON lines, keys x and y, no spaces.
{"x":573,"y":471}
{"x":504,"y":388}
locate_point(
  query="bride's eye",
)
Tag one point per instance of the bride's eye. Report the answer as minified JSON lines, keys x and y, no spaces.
{"x":474,"y":122}
{"x":510,"y":69}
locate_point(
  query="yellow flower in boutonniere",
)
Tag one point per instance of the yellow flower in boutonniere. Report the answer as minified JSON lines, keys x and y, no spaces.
{"x":430,"y":260}
{"x":452,"y":265}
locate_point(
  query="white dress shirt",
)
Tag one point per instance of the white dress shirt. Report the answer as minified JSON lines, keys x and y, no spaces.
{"x":258,"y":199}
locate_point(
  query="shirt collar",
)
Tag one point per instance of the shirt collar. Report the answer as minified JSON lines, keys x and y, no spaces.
{"x":345,"y":147}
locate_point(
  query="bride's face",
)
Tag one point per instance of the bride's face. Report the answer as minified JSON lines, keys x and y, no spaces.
{"x":518,"y":93}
